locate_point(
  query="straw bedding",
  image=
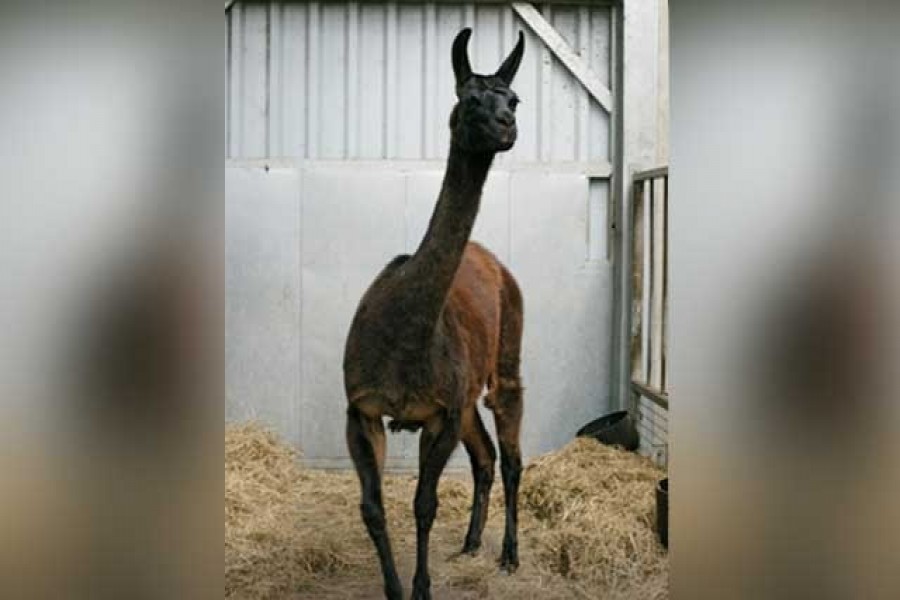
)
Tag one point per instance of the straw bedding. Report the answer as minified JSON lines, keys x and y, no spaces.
{"x":586,"y":528}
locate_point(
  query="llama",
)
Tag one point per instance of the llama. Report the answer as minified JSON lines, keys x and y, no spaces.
{"x":434,"y":329}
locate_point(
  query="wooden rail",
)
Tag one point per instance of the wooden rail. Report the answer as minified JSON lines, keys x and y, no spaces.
{"x":566,"y":55}
{"x":656,"y":173}
{"x":658,"y":397}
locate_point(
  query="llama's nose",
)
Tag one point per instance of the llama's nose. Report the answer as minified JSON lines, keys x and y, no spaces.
{"x":506,"y":117}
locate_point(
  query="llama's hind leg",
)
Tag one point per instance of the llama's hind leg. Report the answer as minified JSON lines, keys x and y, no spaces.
{"x":483,"y":457}
{"x":439,"y":437}
{"x":507,"y":406}
{"x":508,"y":417}
{"x":366,"y":441}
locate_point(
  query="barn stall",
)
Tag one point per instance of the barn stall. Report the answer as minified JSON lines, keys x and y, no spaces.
{"x":337,"y":141}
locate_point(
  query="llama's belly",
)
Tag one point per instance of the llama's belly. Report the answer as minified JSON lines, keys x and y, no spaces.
{"x":418,"y":412}
{"x":403,"y":410}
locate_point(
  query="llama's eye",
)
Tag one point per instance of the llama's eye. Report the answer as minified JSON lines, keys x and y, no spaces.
{"x":513,"y":103}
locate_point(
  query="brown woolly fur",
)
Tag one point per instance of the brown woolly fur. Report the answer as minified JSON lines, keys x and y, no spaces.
{"x":586,"y":523}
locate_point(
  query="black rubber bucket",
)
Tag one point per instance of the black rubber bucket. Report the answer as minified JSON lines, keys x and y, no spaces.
{"x":662,"y":511}
{"x":614,"y":429}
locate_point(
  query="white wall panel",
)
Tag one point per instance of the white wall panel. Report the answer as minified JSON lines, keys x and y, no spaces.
{"x":566,"y":336}
{"x":263,"y":296}
{"x":353,"y":225}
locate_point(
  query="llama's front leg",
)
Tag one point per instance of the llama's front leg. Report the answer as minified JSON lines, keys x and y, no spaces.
{"x":439,"y":438}
{"x":365,"y":439}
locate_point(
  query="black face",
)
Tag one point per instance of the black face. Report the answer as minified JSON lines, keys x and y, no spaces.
{"x":484,"y":119}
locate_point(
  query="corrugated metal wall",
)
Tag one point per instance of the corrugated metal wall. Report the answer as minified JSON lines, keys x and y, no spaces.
{"x":372,"y":80}
{"x":348,"y":104}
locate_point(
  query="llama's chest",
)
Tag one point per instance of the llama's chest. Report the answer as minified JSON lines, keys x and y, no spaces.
{"x":404,"y":384}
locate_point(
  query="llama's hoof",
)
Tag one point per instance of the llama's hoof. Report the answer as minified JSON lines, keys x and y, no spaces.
{"x":509,"y":562}
{"x":471,"y":548}
{"x":393,"y":591}
{"x":509,"y":567}
{"x":462,"y":554}
{"x":421,"y":589}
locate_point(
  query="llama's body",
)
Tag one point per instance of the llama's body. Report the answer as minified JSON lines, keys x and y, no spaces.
{"x":434,"y":330}
{"x":411,"y":383}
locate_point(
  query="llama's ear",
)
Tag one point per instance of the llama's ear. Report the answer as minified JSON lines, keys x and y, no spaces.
{"x":508,"y":69}
{"x":461,"y":67}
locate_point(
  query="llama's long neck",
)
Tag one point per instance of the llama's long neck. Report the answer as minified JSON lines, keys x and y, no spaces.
{"x":437,"y":259}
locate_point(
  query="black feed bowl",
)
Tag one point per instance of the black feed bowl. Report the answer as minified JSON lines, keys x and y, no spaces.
{"x":614,"y":429}
{"x":662,"y":511}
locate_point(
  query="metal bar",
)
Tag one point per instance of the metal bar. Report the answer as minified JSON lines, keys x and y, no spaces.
{"x":273,"y":121}
{"x":351,"y":85}
{"x":313,"y":35}
{"x":229,"y":75}
{"x":391,"y":77}
{"x":619,"y":223}
{"x":654,"y":173}
{"x":568,"y":57}
{"x":658,"y":397}
{"x":429,"y":79}
{"x":545,"y":91}
{"x":612,"y":214}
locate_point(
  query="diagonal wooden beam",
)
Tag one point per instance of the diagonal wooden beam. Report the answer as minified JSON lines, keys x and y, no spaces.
{"x":568,"y":57}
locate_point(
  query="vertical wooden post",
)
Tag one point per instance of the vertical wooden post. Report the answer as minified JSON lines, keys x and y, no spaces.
{"x":637,"y":281}
{"x":665,"y":287}
{"x":657,"y":286}
{"x":646,"y":312}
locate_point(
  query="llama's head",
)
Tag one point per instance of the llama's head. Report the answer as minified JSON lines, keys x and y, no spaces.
{"x":484,"y":119}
